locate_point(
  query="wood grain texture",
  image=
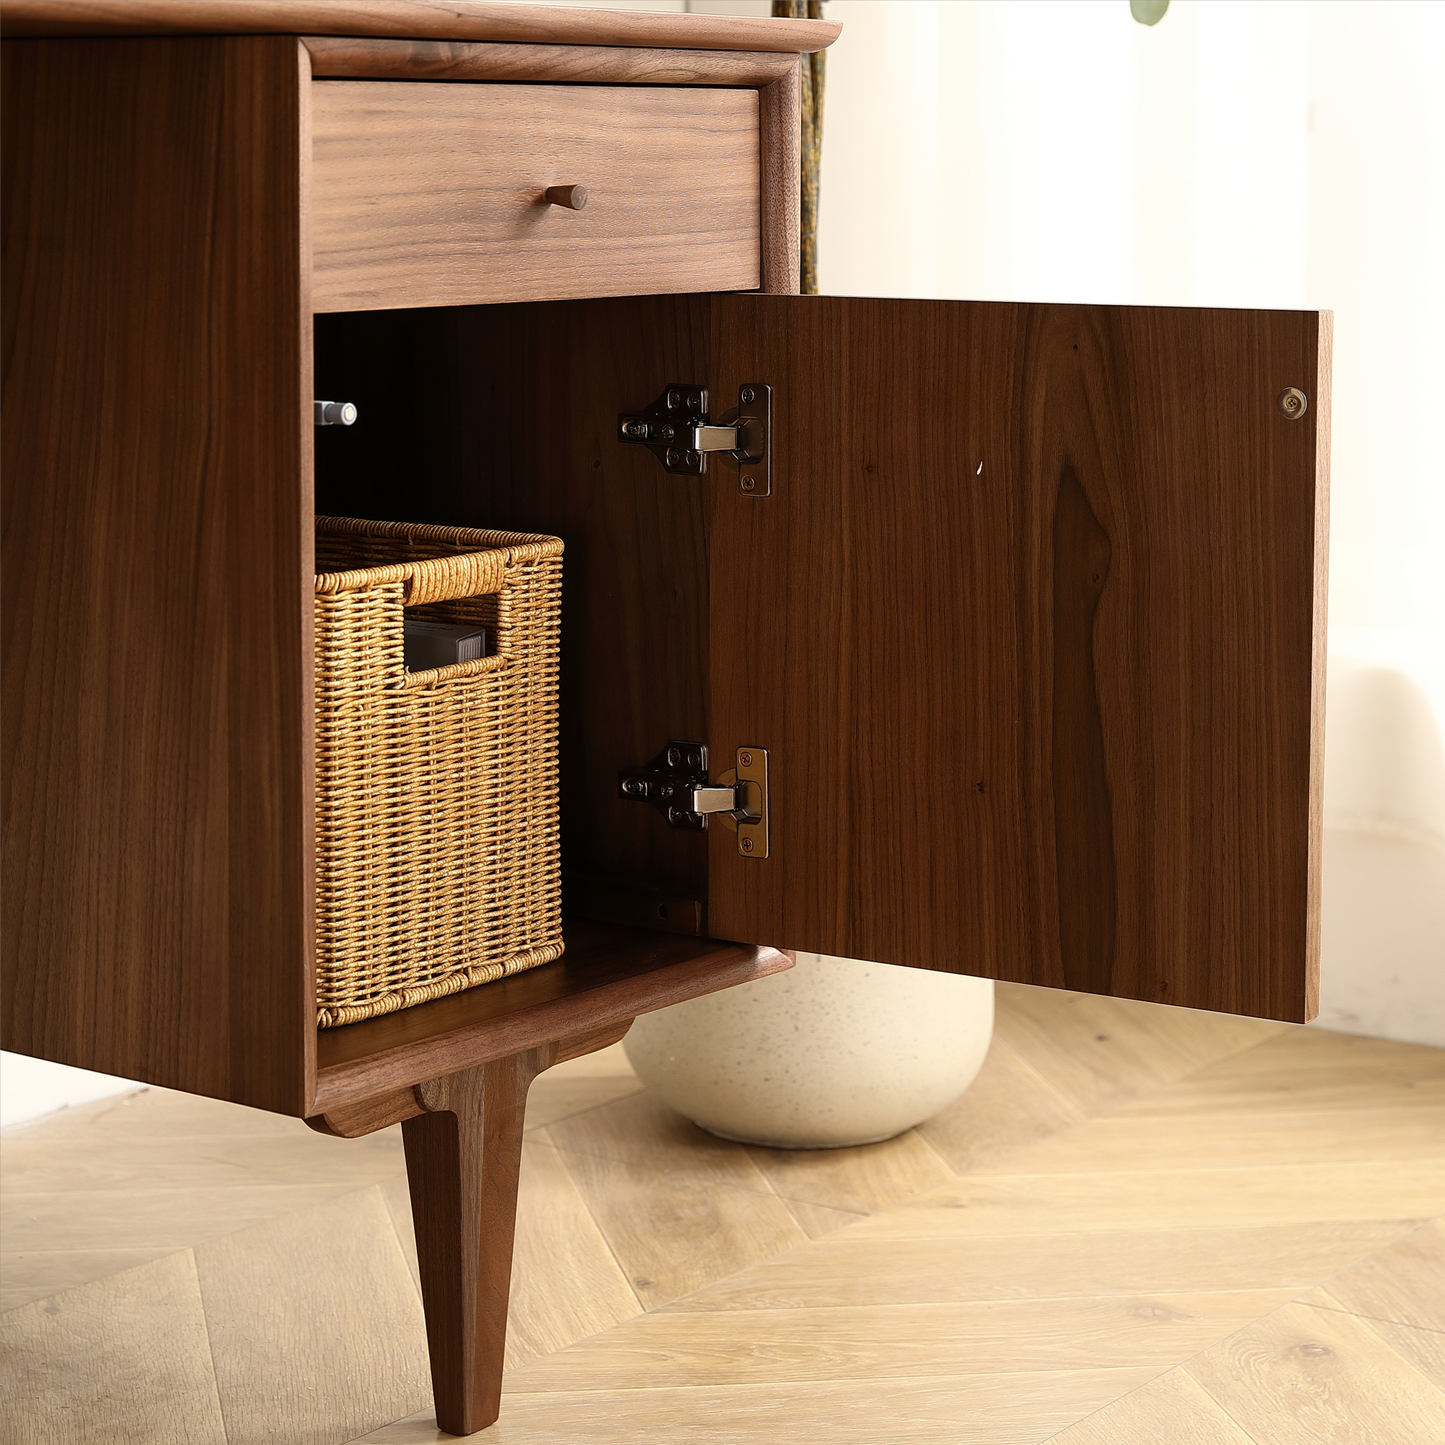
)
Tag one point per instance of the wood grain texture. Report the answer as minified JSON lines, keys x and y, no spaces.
{"x":1035,"y":653}
{"x":1100,"y":1053}
{"x":129,"y":1354}
{"x":158,"y":797}
{"x":1404,"y":1284}
{"x":1312,"y":1374}
{"x":38,"y":1273}
{"x":432,"y":194}
{"x":1017,"y":1409}
{"x":1172,"y":1408}
{"x":557,"y":1239}
{"x":779,"y":116}
{"x":1141,"y":1199}
{"x":429,"y":19}
{"x":869,"y":1177}
{"x":608,"y":975}
{"x":667,"y":1197}
{"x":666,"y":1349}
{"x":264,"y":1291}
{"x":357,"y":58}
{"x":863,"y":1271}
{"x":671,"y":1232}
{"x":462,"y":1162}
{"x":535,"y":391}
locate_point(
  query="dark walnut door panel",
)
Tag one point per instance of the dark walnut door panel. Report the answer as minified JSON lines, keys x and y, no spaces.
{"x":1032,"y":625}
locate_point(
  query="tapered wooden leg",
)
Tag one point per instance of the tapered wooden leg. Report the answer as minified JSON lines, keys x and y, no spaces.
{"x":462,"y":1160}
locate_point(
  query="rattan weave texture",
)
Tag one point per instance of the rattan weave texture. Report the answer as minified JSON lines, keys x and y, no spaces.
{"x":437,"y":862}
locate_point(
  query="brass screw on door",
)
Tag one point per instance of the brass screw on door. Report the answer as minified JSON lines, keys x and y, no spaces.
{"x":1293,"y":402}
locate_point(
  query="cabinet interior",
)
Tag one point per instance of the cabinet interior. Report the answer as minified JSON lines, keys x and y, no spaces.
{"x":504,"y":416}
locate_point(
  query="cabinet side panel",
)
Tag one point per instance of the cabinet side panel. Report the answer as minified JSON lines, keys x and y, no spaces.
{"x":157,"y":808}
{"x":1030,"y":626}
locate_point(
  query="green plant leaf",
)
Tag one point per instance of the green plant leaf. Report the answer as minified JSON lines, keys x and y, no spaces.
{"x":1148,"y":12}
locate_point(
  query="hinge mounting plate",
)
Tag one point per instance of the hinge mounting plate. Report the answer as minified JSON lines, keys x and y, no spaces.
{"x":675,"y":782}
{"x":677,"y":430}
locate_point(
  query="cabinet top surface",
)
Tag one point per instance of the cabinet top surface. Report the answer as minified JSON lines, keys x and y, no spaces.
{"x":485,"y":20}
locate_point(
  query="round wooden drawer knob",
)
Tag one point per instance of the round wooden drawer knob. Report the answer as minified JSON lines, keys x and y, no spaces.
{"x":572,"y":197}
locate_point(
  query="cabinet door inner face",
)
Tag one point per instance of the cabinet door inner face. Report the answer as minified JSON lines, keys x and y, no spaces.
{"x":1031,"y":625}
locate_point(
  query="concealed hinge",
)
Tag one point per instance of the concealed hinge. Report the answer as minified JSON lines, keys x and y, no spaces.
{"x":675,"y":782}
{"x":676,"y":429}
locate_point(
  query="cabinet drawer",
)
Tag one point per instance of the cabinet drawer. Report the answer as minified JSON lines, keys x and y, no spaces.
{"x":432,"y":194}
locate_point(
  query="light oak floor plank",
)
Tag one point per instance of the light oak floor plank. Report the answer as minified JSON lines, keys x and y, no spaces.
{"x":852,"y":1268}
{"x":1425,"y":1349}
{"x":675,"y":1348}
{"x":152,"y":1113}
{"x":74,"y":1166}
{"x":125,"y":1358}
{"x":41,"y":1273}
{"x":1404,"y":1283}
{"x":1009,"y":1106}
{"x":1170,"y":1410}
{"x":1303,"y":1374}
{"x":860,"y":1180}
{"x":151,"y":1219}
{"x":1124,"y":1198}
{"x":818,"y":1220}
{"x":558,"y":1240}
{"x":315,"y":1325}
{"x":1130,"y":1141}
{"x":1099,"y":1052}
{"x":641,"y":1131}
{"x":579,"y":1085}
{"x":1308,"y":1069}
{"x":673,"y":1232}
{"x":984,"y":1204}
{"x":968,"y":1410}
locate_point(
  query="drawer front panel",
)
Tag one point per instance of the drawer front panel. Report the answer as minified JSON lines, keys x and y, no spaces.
{"x":432,"y":194}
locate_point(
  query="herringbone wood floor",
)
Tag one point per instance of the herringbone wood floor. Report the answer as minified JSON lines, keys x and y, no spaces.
{"x":1140,"y":1225}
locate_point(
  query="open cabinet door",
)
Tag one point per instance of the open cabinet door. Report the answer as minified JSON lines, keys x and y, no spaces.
{"x":1031,"y":626}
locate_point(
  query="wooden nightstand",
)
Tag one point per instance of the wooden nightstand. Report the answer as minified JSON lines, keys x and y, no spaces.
{"x":1002,"y":623}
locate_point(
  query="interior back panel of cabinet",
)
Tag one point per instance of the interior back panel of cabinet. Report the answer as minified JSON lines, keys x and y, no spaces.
{"x":506,"y":417}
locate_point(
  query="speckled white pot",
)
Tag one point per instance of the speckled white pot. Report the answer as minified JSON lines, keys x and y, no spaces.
{"x":832,"y":1052}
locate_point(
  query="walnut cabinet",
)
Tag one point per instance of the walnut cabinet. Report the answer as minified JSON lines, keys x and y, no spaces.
{"x":1023,"y":605}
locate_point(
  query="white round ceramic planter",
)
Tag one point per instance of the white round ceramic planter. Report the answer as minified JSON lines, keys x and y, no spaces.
{"x":830,"y":1053}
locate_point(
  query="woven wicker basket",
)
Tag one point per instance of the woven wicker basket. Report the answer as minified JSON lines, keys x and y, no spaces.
{"x":436,"y":792}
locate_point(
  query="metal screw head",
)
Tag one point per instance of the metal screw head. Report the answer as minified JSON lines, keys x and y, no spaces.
{"x":666,"y":432}
{"x":694,"y":401}
{"x":694,"y":460}
{"x":1292,"y":402}
{"x":673,"y":815}
{"x":694,"y":758}
{"x":745,"y":760}
{"x":635,"y":788}
{"x":674,"y":400}
{"x":674,"y":457}
{"x":746,"y":844}
{"x":634,"y":426}
{"x":747,"y":396}
{"x":674,"y":757}
{"x":748,"y":484}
